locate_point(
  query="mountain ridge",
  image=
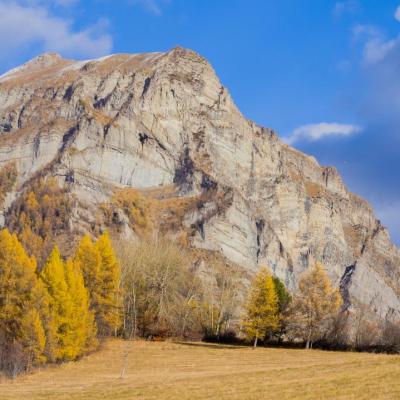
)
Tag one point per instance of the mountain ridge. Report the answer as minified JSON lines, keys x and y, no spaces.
{"x":163,"y":122}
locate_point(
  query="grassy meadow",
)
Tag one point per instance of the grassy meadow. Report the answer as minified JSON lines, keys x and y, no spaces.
{"x":166,"y":370}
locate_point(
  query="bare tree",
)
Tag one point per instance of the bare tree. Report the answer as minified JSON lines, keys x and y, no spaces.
{"x":221,"y":297}
{"x":159,"y":288}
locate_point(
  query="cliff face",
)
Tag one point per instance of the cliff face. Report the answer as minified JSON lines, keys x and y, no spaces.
{"x":163,"y":124}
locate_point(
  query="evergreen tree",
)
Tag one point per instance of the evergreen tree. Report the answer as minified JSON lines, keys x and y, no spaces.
{"x":315,"y":306}
{"x":109,"y":309}
{"x":23,"y":308}
{"x":284,"y":300}
{"x":262,"y":307}
{"x":61,"y":307}
{"x":282,"y":293}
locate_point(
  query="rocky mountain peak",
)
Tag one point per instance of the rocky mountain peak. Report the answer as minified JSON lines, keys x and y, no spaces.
{"x":153,"y":142}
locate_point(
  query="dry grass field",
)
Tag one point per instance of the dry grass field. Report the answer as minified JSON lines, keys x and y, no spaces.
{"x":165,"y":370}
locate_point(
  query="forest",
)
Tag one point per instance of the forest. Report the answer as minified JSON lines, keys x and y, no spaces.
{"x":61,"y":309}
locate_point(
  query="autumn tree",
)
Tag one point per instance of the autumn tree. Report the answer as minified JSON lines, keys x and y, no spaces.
{"x":83,"y":325}
{"x":262,"y":307}
{"x":72,"y":320}
{"x":315,"y":306}
{"x":101,"y":274}
{"x":39,"y":215}
{"x":61,"y":306}
{"x":88,"y":259}
{"x":109,"y":299}
{"x":23,"y":309}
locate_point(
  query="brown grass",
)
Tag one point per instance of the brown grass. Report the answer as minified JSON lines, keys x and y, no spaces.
{"x":165,"y":370}
{"x":314,"y":190}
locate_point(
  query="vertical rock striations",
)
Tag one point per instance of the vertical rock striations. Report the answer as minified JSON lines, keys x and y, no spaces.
{"x":163,"y":124}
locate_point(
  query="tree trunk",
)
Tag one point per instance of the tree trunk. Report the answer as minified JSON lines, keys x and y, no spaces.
{"x":255,"y":341}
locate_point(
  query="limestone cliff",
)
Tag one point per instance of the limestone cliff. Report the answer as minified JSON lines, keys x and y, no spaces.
{"x":163,"y":124}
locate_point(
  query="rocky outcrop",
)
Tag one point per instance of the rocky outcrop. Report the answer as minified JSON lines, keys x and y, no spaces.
{"x":163,"y":124}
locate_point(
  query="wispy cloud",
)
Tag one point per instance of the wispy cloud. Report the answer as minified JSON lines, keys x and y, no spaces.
{"x":23,"y":25}
{"x":377,"y":47}
{"x":152,"y":6}
{"x":314,"y":132}
{"x":397,"y":13}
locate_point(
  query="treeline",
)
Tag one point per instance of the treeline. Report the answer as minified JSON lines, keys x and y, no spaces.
{"x":313,"y":316}
{"x":166,"y":294}
{"x":158,"y":289}
{"x":56,"y":313}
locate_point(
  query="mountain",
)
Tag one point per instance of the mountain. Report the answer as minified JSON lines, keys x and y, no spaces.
{"x":153,"y":142}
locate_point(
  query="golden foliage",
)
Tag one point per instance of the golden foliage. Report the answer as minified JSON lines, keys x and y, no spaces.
{"x":315,"y":306}
{"x":23,"y":308}
{"x":39,"y":215}
{"x":262,"y":307}
{"x":53,"y":277}
{"x":109,"y":294}
{"x":72,"y":321}
{"x":101,"y":274}
{"x":82,"y":322}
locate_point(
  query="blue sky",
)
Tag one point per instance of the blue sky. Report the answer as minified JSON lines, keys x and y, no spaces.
{"x":324,"y":74}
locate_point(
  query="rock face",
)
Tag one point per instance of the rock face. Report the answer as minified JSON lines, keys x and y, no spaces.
{"x":163,"y":123}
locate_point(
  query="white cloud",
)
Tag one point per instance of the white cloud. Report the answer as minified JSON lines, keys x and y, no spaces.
{"x":23,"y":25}
{"x":377,"y":47}
{"x":397,"y":14}
{"x":314,"y":132}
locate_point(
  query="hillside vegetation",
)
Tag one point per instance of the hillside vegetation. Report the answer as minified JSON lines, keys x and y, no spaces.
{"x":166,"y":370}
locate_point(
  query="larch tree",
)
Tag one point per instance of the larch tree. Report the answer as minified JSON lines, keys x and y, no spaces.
{"x":61,"y":307}
{"x":87,"y":259}
{"x":23,"y":309}
{"x":262,"y":307}
{"x":109,"y":300}
{"x":82,"y":321}
{"x":314,"y":307}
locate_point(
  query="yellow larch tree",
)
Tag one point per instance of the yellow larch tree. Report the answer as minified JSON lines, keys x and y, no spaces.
{"x":314,"y":306}
{"x":23,"y":308}
{"x":61,"y":306}
{"x":262,"y":307}
{"x":109,"y":308}
{"x":87,"y":259}
{"x":82,"y":321}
